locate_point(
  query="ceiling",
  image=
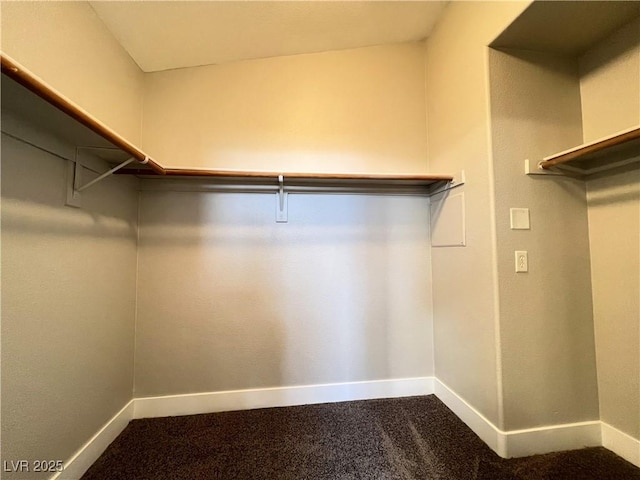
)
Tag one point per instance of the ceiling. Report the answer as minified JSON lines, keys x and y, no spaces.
{"x":174,"y":34}
{"x":567,"y":27}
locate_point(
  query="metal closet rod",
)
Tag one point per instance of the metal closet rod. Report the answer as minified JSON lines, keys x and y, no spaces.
{"x":425,"y":185}
{"x":25,"y":78}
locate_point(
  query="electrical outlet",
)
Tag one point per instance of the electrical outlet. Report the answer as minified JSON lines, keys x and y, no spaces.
{"x":522,"y":261}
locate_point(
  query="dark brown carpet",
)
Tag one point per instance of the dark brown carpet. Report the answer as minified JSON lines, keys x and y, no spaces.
{"x":404,"y":438}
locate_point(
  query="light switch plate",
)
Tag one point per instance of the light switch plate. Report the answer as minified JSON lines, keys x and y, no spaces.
{"x":519,"y":218}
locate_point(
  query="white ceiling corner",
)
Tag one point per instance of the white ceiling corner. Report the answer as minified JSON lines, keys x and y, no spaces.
{"x":161,"y":35}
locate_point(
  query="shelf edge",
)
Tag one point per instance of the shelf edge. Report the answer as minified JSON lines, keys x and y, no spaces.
{"x":220,"y":173}
{"x":592,"y":147}
{"x":24,"y":77}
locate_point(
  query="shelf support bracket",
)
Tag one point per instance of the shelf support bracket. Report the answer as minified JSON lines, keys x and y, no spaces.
{"x":74,"y":172}
{"x":458,"y":181}
{"x":281,"y":202}
{"x":538,"y":170}
{"x":105,"y":174}
{"x":575,"y":172}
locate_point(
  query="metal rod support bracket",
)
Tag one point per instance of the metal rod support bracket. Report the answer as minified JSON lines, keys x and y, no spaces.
{"x":281,"y":202}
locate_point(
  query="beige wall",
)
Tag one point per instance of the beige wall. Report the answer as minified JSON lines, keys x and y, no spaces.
{"x":614,"y":234}
{"x":610,"y":87}
{"x":359,"y":110}
{"x":68,"y":302}
{"x":610,"y":84}
{"x":546,"y":322}
{"x":229,"y":299}
{"x":68,"y":46}
{"x":464,"y":289}
{"x":340,"y":293}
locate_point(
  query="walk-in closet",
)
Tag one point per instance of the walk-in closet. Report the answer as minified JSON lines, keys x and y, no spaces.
{"x":324,"y":240}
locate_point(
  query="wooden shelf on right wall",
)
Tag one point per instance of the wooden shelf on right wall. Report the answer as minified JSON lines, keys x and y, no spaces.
{"x":614,"y":151}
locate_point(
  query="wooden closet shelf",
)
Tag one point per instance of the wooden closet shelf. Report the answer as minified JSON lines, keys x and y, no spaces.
{"x":393,"y":179}
{"x":623,"y":145}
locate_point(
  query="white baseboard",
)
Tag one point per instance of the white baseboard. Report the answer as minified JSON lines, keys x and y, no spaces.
{"x":80,"y":462}
{"x":477,"y":422}
{"x":621,"y":444}
{"x":520,"y":443}
{"x":190,"y":404}
{"x":555,"y":438}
